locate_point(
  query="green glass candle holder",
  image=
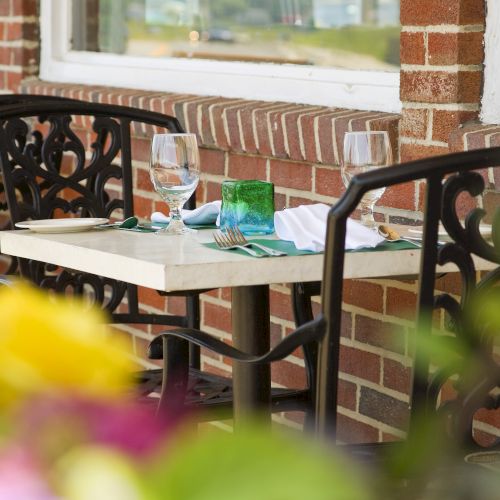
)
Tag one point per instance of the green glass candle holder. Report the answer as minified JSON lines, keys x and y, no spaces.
{"x":249,"y":205}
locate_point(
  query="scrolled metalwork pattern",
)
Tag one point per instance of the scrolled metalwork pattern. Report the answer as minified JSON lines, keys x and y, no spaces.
{"x":469,"y":235}
{"x":471,"y":338}
{"x":46,"y":169}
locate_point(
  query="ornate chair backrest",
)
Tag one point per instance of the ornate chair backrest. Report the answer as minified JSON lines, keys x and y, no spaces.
{"x":445,"y":177}
{"x":69,"y":157}
{"x":32,"y":157}
{"x":9,"y":100}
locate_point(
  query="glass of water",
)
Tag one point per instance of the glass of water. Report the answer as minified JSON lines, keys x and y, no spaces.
{"x":364,"y":151}
{"x":175,"y":171}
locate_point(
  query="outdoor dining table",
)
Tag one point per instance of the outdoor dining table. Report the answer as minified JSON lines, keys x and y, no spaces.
{"x":181,"y":263}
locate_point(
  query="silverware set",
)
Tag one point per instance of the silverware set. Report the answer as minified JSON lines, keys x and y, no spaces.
{"x":233,"y":238}
{"x":390,"y":234}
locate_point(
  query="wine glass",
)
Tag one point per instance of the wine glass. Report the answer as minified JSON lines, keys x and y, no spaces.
{"x":175,"y":171}
{"x":364,"y":151}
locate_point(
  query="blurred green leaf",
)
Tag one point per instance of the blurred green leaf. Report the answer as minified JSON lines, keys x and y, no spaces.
{"x":483,"y":314}
{"x":442,"y":350}
{"x":255,"y":464}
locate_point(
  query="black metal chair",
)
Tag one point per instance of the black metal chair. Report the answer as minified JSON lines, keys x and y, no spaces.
{"x":446,"y":177}
{"x":47,"y":167}
{"x":9,"y":100}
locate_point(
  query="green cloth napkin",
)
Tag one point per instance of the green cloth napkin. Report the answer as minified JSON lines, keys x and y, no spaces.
{"x":289,"y":248}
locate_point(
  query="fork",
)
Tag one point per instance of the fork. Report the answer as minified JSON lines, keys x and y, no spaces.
{"x":225,"y":243}
{"x":236,"y":237}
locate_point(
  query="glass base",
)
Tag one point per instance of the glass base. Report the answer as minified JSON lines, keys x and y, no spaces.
{"x":369,"y":222}
{"x":367,"y":218}
{"x":251,"y":229}
{"x":175,"y":227}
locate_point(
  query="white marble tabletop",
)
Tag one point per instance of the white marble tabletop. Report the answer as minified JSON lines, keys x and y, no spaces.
{"x":176,"y":263}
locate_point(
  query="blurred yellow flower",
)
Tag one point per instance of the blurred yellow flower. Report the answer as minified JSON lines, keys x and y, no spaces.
{"x":49,"y":343}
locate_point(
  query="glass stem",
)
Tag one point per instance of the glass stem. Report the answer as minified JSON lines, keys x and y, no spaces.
{"x":175,"y":226}
{"x":175,"y":212}
{"x":367,"y":218}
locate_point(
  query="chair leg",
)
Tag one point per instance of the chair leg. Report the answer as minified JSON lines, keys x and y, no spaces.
{"x":302,"y":311}
{"x":302,"y":294}
{"x":310,"y":418}
{"x":301,"y":304}
{"x":193,"y":321}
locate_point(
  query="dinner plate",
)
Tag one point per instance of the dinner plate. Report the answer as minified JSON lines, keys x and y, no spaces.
{"x":72,"y":225}
{"x":417,"y":232}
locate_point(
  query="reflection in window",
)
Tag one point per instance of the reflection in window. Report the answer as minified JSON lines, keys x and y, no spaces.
{"x":353,"y":34}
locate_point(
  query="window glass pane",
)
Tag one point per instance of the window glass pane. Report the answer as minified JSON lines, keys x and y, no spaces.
{"x":352,"y":34}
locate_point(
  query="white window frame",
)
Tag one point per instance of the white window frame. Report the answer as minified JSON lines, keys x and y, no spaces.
{"x":363,"y":90}
{"x":490,"y":106}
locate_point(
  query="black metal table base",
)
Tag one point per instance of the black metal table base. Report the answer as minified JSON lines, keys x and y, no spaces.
{"x":251,"y":334}
{"x":208,"y":393}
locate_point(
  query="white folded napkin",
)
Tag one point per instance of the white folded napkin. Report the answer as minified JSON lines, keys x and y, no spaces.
{"x":206,"y":214}
{"x":306,"y":227}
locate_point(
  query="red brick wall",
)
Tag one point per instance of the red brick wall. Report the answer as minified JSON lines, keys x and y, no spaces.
{"x":297,"y":148}
{"x":19,"y":42}
{"x":441,"y":71}
{"x":442,"y":59}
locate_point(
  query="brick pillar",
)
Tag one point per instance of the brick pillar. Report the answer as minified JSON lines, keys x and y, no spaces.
{"x":19,"y":42}
{"x":441,"y":71}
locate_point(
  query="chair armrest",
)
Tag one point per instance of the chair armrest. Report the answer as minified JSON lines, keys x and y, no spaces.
{"x":310,"y":332}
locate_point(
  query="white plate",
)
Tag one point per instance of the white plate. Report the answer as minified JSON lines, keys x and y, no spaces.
{"x":484,"y":229}
{"x":488,"y":459}
{"x":61,"y":225}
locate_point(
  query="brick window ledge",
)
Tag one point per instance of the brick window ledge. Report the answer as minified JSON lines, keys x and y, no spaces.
{"x":296,"y":132}
{"x":474,"y":135}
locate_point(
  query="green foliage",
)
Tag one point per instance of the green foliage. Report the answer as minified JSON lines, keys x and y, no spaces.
{"x":372,"y":41}
{"x":140,"y":31}
{"x":483,"y":315}
{"x":252,"y":465}
{"x":222,"y":11}
{"x":380,"y":43}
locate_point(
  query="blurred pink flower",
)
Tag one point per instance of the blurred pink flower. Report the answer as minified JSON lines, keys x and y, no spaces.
{"x":125,"y":425}
{"x":20,"y":478}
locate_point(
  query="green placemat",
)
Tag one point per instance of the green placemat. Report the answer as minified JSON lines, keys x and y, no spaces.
{"x":284,"y":246}
{"x":289,"y":248}
{"x":390,"y":246}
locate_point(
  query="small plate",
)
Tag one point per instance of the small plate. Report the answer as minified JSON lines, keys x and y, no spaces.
{"x":72,"y":225}
{"x":488,"y":459}
{"x":484,"y":229}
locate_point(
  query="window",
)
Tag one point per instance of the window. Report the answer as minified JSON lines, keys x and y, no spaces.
{"x":341,"y":53}
{"x":490,"y":106}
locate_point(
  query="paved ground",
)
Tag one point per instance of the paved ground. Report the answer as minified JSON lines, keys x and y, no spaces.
{"x":279,"y":51}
